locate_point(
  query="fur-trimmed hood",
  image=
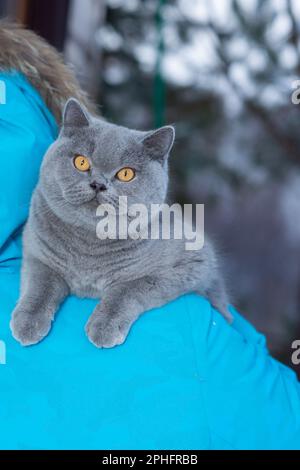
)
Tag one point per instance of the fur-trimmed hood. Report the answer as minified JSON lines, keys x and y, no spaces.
{"x":23,"y":50}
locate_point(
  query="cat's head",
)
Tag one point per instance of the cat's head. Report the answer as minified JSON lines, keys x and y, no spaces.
{"x":94,"y":162}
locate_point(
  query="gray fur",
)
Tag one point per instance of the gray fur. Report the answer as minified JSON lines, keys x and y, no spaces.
{"x":62,"y":254}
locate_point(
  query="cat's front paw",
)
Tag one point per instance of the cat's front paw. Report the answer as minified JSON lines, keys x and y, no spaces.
{"x":106,"y":332}
{"x":29,"y":328}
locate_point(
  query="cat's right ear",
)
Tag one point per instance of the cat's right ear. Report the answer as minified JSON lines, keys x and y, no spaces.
{"x":75,"y":115}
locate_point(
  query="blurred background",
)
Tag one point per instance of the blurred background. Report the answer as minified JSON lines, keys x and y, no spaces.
{"x":223,"y":72}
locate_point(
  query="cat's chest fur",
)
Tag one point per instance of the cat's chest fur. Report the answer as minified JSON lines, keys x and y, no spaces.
{"x":86,"y":263}
{"x":84,"y":279}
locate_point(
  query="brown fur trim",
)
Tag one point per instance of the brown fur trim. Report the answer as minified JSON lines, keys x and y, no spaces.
{"x":23,"y":50}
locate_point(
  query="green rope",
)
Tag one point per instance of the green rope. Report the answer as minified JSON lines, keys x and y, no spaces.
{"x":159,"y":85}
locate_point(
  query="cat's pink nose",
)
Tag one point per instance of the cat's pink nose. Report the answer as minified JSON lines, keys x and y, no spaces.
{"x":98,"y":186}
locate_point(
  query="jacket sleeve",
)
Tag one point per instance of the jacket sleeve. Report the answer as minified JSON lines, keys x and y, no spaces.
{"x":27,"y":128}
{"x":252,"y":400}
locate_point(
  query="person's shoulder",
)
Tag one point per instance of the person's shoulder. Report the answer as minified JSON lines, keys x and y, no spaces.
{"x":22,"y":106}
{"x":191,"y":317}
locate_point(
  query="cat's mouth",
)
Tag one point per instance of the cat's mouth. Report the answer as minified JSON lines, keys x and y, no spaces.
{"x":101,"y":199}
{"x":93,"y":201}
{"x":116,"y":203}
{"x":104,"y":198}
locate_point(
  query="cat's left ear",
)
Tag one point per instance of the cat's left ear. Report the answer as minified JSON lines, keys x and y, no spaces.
{"x":159,"y":143}
{"x":75,"y":115}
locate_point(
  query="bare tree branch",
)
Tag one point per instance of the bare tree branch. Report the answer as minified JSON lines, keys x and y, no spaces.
{"x":287,"y":143}
{"x":294,"y":37}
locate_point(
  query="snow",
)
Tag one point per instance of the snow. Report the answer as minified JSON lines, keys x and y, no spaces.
{"x":248,"y":6}
{"x":271,"y":96}
{"x":296,"y":8}
{"x":237,"y":48}
{"x":170,"y":35}
{"x":195,"y":10}
{"x":130,"y":5}
{"x":115,"y":3}
{"x":240,"y":75}
{"x":288,"y":57}
{"x":107,"y":38}
{"x":220,"y":12}
{"x":146,"y":54}
{"x":279,"y":29}
{"x":195,"y":62}
{"x":115,"y":73}
{"x":279,"y":5}
{"x":175,"y":70}
{"x":257,"y":60}
{"x":200,"y":52}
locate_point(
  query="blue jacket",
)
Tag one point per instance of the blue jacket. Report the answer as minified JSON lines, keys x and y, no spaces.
{"x":184,"y":379}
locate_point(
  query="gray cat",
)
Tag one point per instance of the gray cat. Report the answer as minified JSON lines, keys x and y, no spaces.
{"x":94,"y":162}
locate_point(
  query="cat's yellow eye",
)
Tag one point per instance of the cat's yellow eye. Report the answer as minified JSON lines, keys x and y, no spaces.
{"x":81,"y":163}
{"x":125,"y":174}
